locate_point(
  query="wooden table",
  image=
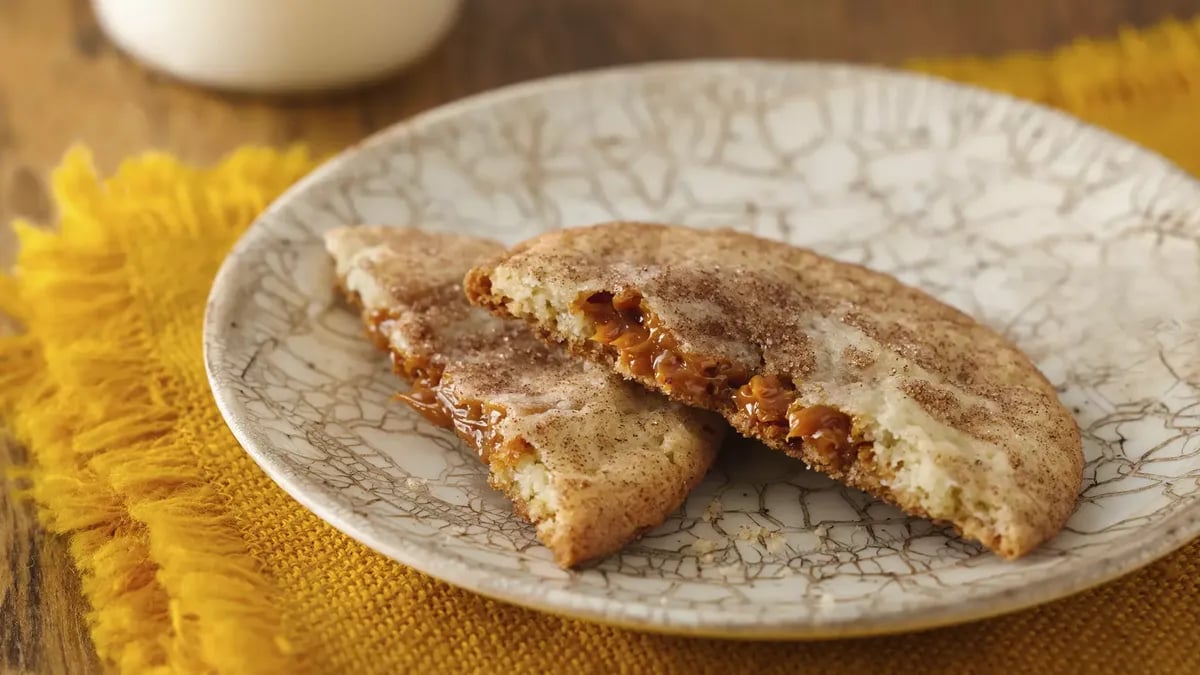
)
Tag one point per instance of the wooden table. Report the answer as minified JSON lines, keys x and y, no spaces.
{"x":61,"y":82}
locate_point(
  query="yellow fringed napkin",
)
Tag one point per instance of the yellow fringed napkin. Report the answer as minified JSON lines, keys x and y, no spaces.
{"x":193,"y":561}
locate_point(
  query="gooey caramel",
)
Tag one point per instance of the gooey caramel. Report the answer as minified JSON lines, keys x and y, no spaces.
{"x":377,"y":324}
{"x":474,"y":421}
{"x":765,"y":399}
{"x":827,"y":430}
{"x":646,"y":349}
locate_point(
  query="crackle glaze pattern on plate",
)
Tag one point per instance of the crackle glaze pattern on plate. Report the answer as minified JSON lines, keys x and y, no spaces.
{"x":1080,"y":246}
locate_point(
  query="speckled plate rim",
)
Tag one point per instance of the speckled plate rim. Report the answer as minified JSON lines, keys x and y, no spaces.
{"x":1177,"y":529}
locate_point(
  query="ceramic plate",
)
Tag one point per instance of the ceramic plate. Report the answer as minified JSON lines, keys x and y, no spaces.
{"x":1082,"y":247}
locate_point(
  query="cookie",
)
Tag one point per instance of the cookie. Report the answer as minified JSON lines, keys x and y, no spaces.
{"x":870,"y":381}
{"x":590,"y":459}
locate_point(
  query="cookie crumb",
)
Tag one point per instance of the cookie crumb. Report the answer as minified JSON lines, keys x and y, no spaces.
{"x":714,"y":510}
{"x":776,"y":544}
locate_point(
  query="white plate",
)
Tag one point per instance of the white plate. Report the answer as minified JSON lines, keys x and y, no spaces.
{"x":1077,"y":244}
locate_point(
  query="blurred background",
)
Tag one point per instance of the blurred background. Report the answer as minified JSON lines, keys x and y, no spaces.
{"x":63,"y":81}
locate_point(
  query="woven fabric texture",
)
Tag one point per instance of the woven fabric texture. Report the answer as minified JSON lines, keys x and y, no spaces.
{"x":194,"y":561}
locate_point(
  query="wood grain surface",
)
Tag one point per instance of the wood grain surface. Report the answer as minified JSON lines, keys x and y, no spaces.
{"x":61,"y":83}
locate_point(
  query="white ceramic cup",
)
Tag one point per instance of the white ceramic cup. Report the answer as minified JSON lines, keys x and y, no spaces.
{"x":276,"y":45}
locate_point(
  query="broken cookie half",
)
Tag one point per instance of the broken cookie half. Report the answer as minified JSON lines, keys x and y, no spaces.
{"x":590,"y":459}
{"x":870,"y":381}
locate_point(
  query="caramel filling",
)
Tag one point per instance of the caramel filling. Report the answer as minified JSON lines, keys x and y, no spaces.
{"x":423,"y":398}
{"x":474,"y":421}
{"x":649,"y":351}
{"x":378,"y":324}
{"x":646,"y":349}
